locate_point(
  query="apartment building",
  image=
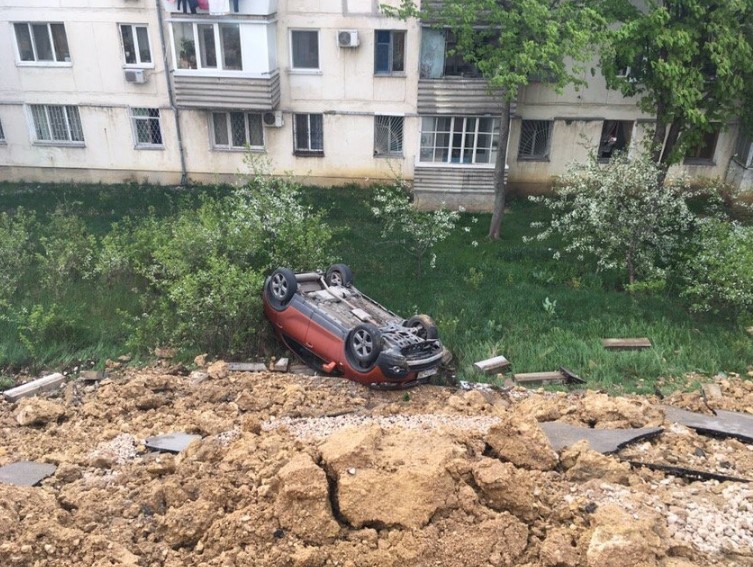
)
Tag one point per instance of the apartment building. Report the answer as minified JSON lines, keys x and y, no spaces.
{"x":331,"y":91}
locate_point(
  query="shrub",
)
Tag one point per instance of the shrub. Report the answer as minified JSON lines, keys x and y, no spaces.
{"x":15,"y":250}
{"x":202,"y":270}
{"x":620,"y":217}
{"x":718,"y":275}
{"x":415,"y":231}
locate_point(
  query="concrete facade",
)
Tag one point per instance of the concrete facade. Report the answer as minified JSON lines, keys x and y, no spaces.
{"x":389,"y":104}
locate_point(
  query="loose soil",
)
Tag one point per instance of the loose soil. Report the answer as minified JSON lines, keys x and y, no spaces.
{"x":309,"y":471}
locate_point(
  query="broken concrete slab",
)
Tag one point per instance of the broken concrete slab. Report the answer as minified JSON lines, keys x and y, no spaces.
{"x":43,"y":384}
{"x":605,"y":441}
{"x":626,"y":344}
{"x":491,"y":365}
{"x":711,"y":392}
{"x":563,"y":375}
{"x":281,"y":365}
{"x":683,"y":472}
{"x":92,"y":375}
{"x":26,"y":473}
{"x":298,"y":368}
{"x":723,"y":424}
{"x":170,"y":442}
{"x":247,"y":367}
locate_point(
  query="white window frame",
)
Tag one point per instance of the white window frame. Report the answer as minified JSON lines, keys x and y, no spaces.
{"x":229,"y":126}
{"x":68,"y":126}
{"x":37,"y":61}
{"x":139,"y":63}
{"x":138,"y":144}
{"x":464,"y":131}
{"x":219,"y":54}
{"x":308,"y":151}
{"x":316,"y":69}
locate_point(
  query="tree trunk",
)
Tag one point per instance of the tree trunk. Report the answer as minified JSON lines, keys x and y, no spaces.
{"x":659,"y":134}
{"x":500,"y":181}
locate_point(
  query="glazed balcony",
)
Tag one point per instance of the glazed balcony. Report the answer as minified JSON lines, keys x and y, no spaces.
{"x":221,"y":7}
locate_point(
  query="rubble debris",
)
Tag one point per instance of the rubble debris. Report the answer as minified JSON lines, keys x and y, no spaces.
{"x":691,"y":474}
{"x":281,"y":365}
{"x":38,"y":411}
{"x":605,"y":441}
{"x":43,"y":384}
{"x":26,"y":473}
{"x":491,"y":365}
{"x":92,"y":375}
{"x":170,"y":442}
{"x":626,"y":344}
{"x":711,"y":392}
{"x":247,"y":367}
{"x":165,"y":352}
{"x":723,"y":424}
{"x":561,"y":376}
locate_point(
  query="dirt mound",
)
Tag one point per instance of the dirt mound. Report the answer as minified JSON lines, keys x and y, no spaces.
{"x":305,"y":471}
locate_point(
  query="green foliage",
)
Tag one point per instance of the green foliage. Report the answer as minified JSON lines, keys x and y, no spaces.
{"x":689,"y":64}
{"x":417,"y":232}
{"x":201,"y":271}
{"x":718,"y":275}
{"x":619,"y":217}
{"x":41,"y":325}
{"x":15,"y":250}
{"x":66,"y":250}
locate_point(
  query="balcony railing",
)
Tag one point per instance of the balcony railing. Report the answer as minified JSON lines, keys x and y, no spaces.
{"x":221,"y":7}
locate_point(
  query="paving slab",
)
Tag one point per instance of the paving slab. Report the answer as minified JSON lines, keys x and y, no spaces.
{"x":43,"y":384}
{"x":247,"y":367}
{"x":605,"y":441}
{"x":26,"y":473}
{"x":170,"y":442}
{"x":723,"y":424}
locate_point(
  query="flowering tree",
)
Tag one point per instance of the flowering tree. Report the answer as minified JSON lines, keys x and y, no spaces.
{"x":416,"y":231}
{"x":620,"y":216}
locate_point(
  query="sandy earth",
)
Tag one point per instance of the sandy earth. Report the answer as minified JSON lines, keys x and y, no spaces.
{"x":306,"y":471}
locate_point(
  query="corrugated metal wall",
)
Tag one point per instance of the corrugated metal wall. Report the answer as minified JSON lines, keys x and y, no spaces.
{"x":227,"y":92}
{"x":458,"y":97}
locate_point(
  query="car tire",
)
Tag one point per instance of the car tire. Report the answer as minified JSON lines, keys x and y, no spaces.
{"x":281,"y":287}
{"x":364,"y":345}
{"x":424,"y":325}
{"x":339,"y":274}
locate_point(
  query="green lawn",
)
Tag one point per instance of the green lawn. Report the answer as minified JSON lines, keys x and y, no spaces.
{"x":487,"y":299}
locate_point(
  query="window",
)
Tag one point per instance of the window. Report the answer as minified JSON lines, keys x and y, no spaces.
{"x":389,"y":52}
{"x":42,"y":42}
{"x":219,"y":46}
{"x":54,"y":123}
{"x":236,"y":130}
{"x":308,"y":134}
{"x":146,"y":127}
{"x":2,"y":134}
{"x":135,"y":44}
{"x":615,"y":136}
{"x":703,"y":152}
{"x":743,"y":154}
{"x":388,"y":136}
{"x":535,"y":137}
{"x":304,"y":49}
{"x":439,"y":57}
{"x":448,"y":139}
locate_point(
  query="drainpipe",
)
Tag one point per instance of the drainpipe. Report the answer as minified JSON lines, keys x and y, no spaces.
{"x":171,"y":95}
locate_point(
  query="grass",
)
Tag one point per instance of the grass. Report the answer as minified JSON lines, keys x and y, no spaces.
{"x":506,"y":297}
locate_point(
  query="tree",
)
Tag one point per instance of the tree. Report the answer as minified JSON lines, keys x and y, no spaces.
{"x":512,"y":42}
{"x":688,"y":61}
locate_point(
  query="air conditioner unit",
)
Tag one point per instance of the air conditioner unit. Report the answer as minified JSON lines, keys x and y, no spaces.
{"x":347,"y":38}
{"x":135,"y":76}
{"x":273,"y":119}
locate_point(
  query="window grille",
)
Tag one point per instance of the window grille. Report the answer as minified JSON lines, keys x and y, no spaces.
{"x":388,"y":135}
{"x":146,"y":125}
{"x":236,"y":130}
{"x":309,"y":134}
{"x":535,"y":139}
{"x":56,"y":123}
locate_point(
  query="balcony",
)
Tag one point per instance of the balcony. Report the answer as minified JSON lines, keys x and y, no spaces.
{"x":457,"y":95}
{"x":241,"y":93}
{"x":221,"y":7}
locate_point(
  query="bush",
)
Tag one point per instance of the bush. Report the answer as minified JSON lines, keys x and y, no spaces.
{"x":718,"y":275}
{"x":15,"y":250}
{"x":202,"y":270}
{"x":415,"y":231}
{"x":620,"y":217}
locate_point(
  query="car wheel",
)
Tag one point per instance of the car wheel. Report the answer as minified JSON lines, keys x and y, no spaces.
{"x":364,"y":344}
{"x":339,"y":274}
{"x":424,"y":325}
{"x":282,"y":286}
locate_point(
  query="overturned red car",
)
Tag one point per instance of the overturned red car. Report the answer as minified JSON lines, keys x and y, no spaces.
{"x":336,"y":329}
